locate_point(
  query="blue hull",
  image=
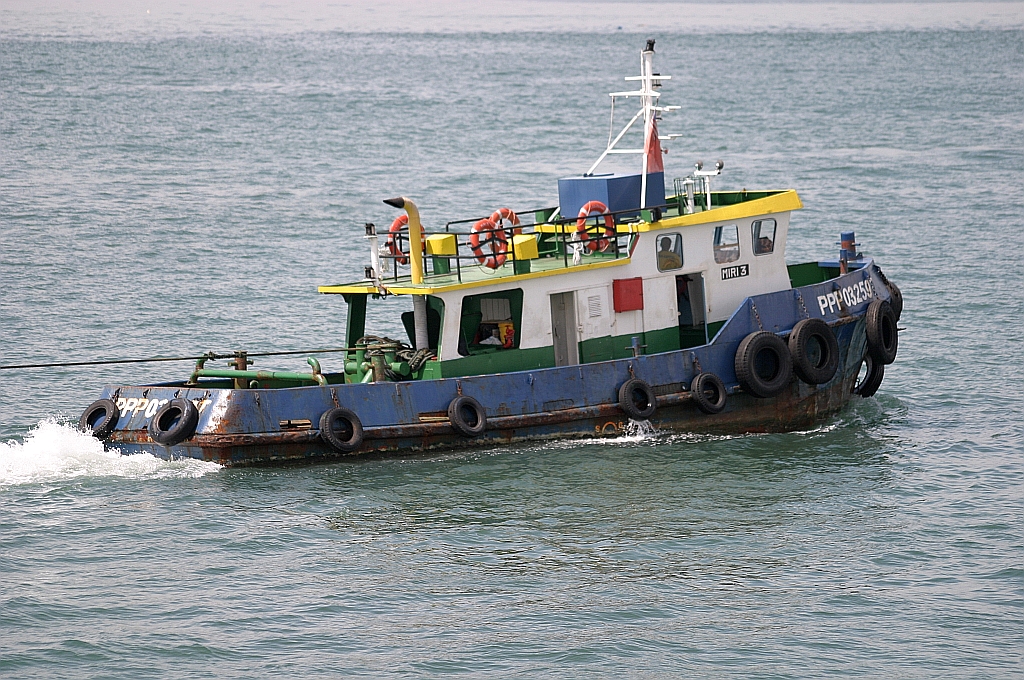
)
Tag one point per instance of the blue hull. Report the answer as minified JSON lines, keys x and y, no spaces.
{"x":252,"y":426}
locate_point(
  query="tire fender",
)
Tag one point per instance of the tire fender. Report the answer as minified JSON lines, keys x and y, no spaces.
{"x":100,"y":418}
{"x":708,"y":392}
{"x":882,"y":334}
{"x":174,"y":422}
{"x":467,"y":416}
{"x":873,"y":379}
{"x":637,"y":400}
{"x":814,"y":350}
{"x":763,"y":364}
{"x":895,"y":299}
{"x":341,"y":429}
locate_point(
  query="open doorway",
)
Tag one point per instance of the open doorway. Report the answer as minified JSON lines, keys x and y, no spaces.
{"x":693,"y":330}
{"x":563,"y":329}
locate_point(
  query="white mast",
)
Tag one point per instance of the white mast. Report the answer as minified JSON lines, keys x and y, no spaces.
{"x":648,"y":109}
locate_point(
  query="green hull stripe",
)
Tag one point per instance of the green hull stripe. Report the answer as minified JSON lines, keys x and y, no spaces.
{"x":620,"y":347}
{"x":596,"y":349}
{"x":500,"y":361}
{"x":665,"y":340}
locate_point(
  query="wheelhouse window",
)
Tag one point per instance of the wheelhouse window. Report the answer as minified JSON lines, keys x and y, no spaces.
{"x":670,"y":252}
{"x":763,"y":232}
{"x":727,"y":244}
{"x":490,"y":322}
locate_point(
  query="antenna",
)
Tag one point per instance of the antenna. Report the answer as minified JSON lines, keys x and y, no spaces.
{"x":649,"y":82}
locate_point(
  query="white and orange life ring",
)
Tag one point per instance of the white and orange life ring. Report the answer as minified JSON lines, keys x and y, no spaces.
{"x":507,"y":220}
{"x":489,"y":243}
{"x":401,"y":224}
{"x":595,"y":209}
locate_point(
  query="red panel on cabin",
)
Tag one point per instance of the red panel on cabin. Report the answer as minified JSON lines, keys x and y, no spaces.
{"x":628,"y":294}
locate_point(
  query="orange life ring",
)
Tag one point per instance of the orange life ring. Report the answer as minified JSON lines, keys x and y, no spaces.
{"x":507,"y":220}
{"x":397,"y":227}
{"x":592,"y":209}
{"x":489,"y":243}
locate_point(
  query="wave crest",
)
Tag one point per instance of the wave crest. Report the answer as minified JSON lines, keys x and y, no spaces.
{"x":56,"y":451}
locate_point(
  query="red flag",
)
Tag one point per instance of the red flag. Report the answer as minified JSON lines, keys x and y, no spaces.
{"x":652,"y":147}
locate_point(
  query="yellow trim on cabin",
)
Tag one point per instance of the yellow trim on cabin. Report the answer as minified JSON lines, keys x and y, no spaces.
{"x":781,"y":202}
{"x":348,"y":288}
{"x":427,"y":289}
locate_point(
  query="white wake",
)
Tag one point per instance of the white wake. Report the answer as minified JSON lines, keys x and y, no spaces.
{"x":57,"y":451}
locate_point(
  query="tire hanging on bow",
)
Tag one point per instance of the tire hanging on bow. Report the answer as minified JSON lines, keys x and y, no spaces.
{"x":874,"y":372}
{"x":814,"y":350}
{"x":882,"y":334}
{"x":763,"y":364}
{"x":174,"y":422}
{"x":100,"y":418}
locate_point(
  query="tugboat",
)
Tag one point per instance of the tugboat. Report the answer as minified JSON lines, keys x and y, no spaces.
{"x":620,"y":304}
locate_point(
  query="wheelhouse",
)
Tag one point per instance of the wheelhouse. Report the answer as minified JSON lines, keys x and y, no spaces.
{"x":664,"y":279}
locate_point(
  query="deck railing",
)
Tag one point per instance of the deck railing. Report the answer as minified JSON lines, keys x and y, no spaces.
{"x":557,"y":237}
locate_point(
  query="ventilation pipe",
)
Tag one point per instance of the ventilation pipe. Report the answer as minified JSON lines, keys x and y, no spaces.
{"x":419,"y":302}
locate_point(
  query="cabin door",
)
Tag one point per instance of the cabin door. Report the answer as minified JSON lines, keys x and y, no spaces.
{"x":690,"y":302}
{"x":563,"y":329}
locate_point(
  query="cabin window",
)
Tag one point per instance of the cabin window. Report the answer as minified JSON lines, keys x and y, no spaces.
{"x":727,"y":244}
{"x":763,"y":232}
{"x":670,"y":252}
{"x":490,"y":322}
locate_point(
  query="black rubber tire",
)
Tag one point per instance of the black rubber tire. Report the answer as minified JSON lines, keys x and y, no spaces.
{"x":709,"y":393}
{"x":174,"y":422}
{"x":763,"y":365}
{"x":814,"y":350}
{"x":341,"y":429}
{"x":100,"y":418}
{"x":637,"y":400}
{"x":883,"y":337}
{"x":467,"y":416}
{"x":895,"y":298}
{"x":871,"y":382}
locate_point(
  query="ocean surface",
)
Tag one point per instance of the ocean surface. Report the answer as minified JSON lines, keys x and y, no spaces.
{"x":176,"y":179}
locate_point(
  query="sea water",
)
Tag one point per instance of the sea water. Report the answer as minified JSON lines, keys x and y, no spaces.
{"x":176,"y":179}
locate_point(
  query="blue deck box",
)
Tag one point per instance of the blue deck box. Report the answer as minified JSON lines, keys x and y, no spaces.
{"x":618,"y":192}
